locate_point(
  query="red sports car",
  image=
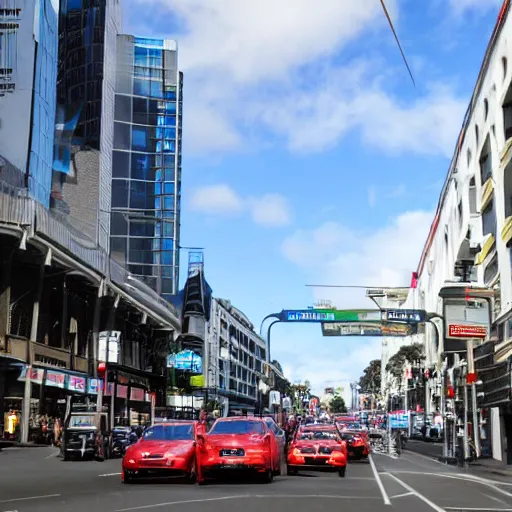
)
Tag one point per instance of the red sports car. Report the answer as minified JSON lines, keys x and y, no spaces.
{"x":166,"y":449}
{"x":238,"y":444}
{"x":317,"y":447}
{"x":358,"y":444}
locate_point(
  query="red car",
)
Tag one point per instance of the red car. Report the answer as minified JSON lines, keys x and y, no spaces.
{"x":358,"y":444}
{"x":317,"y":447}
{"x":166,"y":449}
{"x":235,"y":445}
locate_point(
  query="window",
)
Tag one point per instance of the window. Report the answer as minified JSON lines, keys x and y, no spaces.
{"x":169,"y":433}
{"x":486,"y":108}
{"x":121,"y":136}
{"x":123,"y":108}
{"x":477,"y":135}
{"x":139,"y":138}
{"x":141,"y":194}
{"x":119,"y":224}
{"x":140,"y":110}
{"x":491,"y":270}
{"x":120,"y":164}
{"x":489,"y":219}
{"x":119,"y":194}
{"x":486,"y":161}
{"x":118,"y":249}
{"x":504,"y":67}
{"x":468,"y":157}
{"x":141,"y":87}
{"x":237,"y":427}
{"x":141,"y":167}
{"x":472,"y":196}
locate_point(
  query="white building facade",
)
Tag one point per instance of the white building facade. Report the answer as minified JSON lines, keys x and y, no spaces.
{"x":235,"y":358}
{"x":469,"y":244}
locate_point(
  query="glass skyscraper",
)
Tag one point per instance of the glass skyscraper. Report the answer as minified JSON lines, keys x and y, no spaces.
{"x":146,"y":161}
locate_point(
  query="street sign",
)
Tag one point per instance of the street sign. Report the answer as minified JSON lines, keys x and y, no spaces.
{"x":316,"y":315}
{"x":394,"y":329}
{"x":404,"y":316}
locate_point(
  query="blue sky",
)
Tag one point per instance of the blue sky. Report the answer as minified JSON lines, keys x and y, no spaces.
{"x":309,"y":157}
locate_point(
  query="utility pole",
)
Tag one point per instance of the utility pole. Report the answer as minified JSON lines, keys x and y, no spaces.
{"x":474,"y":408}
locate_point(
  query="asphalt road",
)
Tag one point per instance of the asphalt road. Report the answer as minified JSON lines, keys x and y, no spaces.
{"x":36,"y":480}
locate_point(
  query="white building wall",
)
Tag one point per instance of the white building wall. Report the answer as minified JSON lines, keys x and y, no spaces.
{"x":225,"y":363}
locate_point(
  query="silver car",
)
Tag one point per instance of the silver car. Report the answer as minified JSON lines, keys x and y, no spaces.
{"x":281,"y":442}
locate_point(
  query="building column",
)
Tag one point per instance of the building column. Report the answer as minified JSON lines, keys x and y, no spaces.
{"x":27,"y":393}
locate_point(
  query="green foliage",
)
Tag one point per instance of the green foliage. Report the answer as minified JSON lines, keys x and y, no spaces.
{"x":371,"y":378}
{"x":337,"y":404}
{"x":396,"y":363}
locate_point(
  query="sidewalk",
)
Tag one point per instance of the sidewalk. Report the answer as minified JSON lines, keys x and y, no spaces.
{"x":482,"y":466}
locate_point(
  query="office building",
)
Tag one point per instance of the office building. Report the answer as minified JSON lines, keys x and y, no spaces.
{"x":85,"y":116}
{"x":28,"y":70}
{"x":146,"y":162}
{"x":235,"y":358}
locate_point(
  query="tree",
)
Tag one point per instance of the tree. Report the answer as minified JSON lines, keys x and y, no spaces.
{"x":371,"y":378}
{"x":337,"y":404}
{"x":396,"y":363}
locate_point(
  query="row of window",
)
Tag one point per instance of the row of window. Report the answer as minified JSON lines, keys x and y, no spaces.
{"x":142,"y":138}
{"x":140,"y":195}
{"x":121,"y":225}
{"x":143,"y":166}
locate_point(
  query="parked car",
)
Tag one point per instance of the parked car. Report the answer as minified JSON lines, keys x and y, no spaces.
{"x":165,"y":449}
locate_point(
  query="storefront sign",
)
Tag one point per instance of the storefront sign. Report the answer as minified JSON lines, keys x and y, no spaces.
{"x":35,"y":375}
{"x":122,"y":391}
{"x":330,"y":315}
{"x":76,"y":383}
{"x":55,"y":379}
{"x":93,"y":386}
{"x":467,"y":331}
{"x":406,"y":316}
{"x":137,"y":395}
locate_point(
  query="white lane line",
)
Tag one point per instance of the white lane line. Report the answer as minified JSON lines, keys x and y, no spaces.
{"x":111,"y":474}
{"x":401,"y":495}
{"x":385,"y":496}
{"x":418,"y":495}
{"x":426,"y":457}
{"x":464,"y":509}
{"x":12,"y":500}
{"x":245,"y":496}
{"x":493,"y":484}
{"x":54,"y":454}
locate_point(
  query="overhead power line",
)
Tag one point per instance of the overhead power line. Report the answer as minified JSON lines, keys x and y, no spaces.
{"x":397,"y":40}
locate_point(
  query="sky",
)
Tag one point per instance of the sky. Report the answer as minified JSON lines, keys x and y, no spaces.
{"x":308,"y":155}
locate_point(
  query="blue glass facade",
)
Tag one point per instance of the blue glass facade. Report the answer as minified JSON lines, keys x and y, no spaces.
{"x":43,"y":103}
{"x":146,"y":162}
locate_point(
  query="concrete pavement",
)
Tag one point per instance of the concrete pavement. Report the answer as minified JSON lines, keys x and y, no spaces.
{"x":37,"y":480}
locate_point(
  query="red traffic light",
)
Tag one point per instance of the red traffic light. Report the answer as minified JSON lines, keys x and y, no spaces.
{"x":102,"y":370}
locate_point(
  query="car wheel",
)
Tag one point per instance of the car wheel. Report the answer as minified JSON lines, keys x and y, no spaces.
{"x":268,"y":478}
{"x":342,"y":471}
{"x":126,"y":479}
{"x":291,"y":471}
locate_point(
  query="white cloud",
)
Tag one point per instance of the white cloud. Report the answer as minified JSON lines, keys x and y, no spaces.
{"x":460,"y":6}
{"x":270,"y":210}
{"x":251,"y":66}
{"x":216,"y":199}
{"x":334,"y":254}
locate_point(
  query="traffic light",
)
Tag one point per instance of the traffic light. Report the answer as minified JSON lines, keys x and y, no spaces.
{"x":102,"y":370}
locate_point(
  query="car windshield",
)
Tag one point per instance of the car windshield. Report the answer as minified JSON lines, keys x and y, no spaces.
{"x":238,"y":427}
{"x":169,"y":433}
{"x":318,"y":435}
{"x":81,"y":421}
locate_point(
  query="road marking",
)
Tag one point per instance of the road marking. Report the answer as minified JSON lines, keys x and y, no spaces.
{"x":385,"y":496}
{"x":401,"y":495}
{"x":245,"y":496}
{"x":464,"y":509}
{"x":431,"y":459}
{"x":493,"y":484}
{"x":54,"y":454}
{"x":31,"y":498}
{"x":111,"y":474}
{"x":418,"y":495}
